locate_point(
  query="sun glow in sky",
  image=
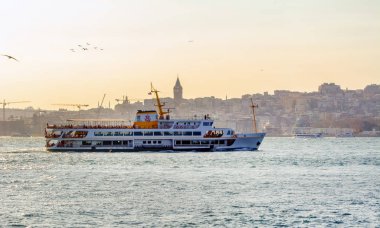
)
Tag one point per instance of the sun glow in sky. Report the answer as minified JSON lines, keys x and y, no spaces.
{"x":217,"y":48}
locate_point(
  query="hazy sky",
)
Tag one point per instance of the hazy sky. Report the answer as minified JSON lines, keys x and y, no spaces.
{"x":238,"y":47}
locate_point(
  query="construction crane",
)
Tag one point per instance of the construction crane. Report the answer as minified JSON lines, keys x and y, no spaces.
{"x":124,"y":100}
{"x":79,"y":106}
{"x":101,"y":104}
{"x":4,"y":103}
{"x":127,"y":100}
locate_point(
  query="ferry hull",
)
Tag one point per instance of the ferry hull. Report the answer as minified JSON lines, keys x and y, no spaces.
{"x":243,"y":142}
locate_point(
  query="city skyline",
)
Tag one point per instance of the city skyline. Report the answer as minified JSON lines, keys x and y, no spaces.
{"x":177,"y":98}
{"x":216,"y":48}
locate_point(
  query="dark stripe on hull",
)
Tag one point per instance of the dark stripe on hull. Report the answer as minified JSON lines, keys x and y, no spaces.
{"x":161,"y":150}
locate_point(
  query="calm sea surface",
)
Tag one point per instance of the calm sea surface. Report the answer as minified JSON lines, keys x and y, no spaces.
{"x":289,"y":182}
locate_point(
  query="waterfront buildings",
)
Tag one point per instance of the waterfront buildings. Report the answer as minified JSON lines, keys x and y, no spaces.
{"x":329,"y":109}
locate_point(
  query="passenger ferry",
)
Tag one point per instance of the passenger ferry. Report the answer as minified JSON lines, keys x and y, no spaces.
{"x":151,"y":131}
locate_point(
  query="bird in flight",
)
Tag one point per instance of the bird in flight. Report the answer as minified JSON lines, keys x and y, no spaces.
{"x":10,"y":57}
{"x":86,"y":47}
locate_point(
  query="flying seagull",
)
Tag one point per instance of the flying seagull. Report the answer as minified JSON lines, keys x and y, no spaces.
{"x":10,"y":57}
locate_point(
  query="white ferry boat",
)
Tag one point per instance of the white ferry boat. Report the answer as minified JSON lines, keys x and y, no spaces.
{"x":151,"y":131}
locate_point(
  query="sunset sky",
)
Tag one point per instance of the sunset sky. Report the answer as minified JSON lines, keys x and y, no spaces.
{"x":217,"y":48}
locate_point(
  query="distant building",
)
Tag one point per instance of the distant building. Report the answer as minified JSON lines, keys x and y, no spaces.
{"x":177,"y":91}
{"x":371,"y":90}
{"x":13,"y":128}
{"x":329,"y":89}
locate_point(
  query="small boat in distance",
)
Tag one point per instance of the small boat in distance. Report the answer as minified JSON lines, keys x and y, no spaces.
{"x":306,"y":132}
{"x":151,"y":131}
{"x":308,"y":135}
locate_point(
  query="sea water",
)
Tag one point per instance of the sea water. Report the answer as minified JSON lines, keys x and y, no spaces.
{"x":288,"y":182}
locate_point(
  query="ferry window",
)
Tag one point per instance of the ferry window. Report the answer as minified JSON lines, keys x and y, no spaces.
{"x":116,"y":143}
{"x":144,"y":142}
{"x":118,"y":133}
{"x":185,"y":142}
{"x":125,"y":142}
{"x":187,"y":133}
{"x":138,"y":133}
{"x":149,"y":142}
{"x":157,"y":133}
{"x":205,"y":124}
{"x":196,"y":142}
{"x":98,"y":133}
{"x":196,"y":133}
{"x":148,"y":133}
{"x":214,"y":142}
{"x":168,"y":133}
{"x":138,"y":118}
{"x":159,"y":142}
{"x":177,"y":133}
{"x":178,"y":142}
{"x":86,"y":143}
{"x":154,"y":142}
{"x":128,"y":133}
{"x":107,"y":143}
{"x":204,"y":142}
{"x":221,"y":141}
{"x":99,"y":143}
{"x":228,"y":132}
{"x":109,"y":134}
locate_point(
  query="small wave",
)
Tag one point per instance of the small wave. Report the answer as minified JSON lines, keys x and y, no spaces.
{"x":35,"y":150}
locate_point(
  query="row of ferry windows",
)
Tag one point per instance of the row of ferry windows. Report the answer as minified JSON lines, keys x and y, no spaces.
{"x":149,"y":133}
{"x":152,"y":142}
{"x":197,"y":142}
{"x":107,"y":143}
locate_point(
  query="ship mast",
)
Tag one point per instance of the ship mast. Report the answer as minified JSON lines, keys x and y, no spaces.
{"x":253,"y":106}
{"x":159,"y":105}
